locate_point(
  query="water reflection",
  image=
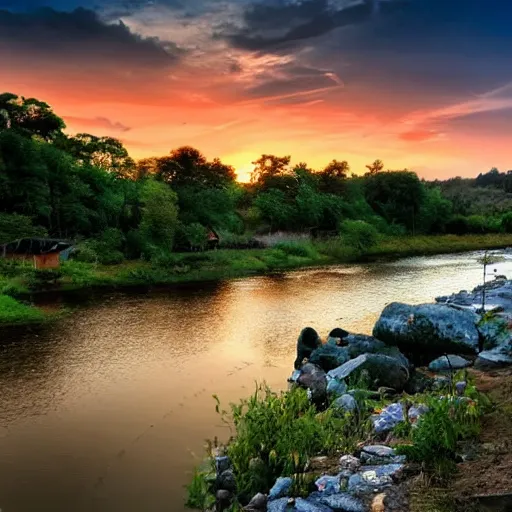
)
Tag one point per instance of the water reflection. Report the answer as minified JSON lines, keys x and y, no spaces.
{"x":103,"y":410}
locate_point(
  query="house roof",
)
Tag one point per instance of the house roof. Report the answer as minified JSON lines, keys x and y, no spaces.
{"x":34,"y":246}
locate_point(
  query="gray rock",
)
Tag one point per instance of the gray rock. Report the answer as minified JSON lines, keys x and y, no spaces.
{"x":448,"y":363}
{"x":372,"y":478}
{"x":359,"y":344}
{"x":497,"y":341}
{"x":281,"y":488}
{"x":491,"y":359}
{"x":343,"y":502}
{"x":349,"y":463}
{"x":441,"y":382}
{"x":223,"y":499}
{"x":302,"y":505}
{"x":428,"y":328}
{"x":329,"y":356}
{"x":227,"y":481}
{"x":346,"y":403}
{"x":415,"y":412}
{"x":338,"y":333}
{"x":390,"y":416}
{"x":328,"y":484}
{"x":382,"y":370}
{"x":257,"y":504}
{"x":222,"y":463}
{"x":460,"y":387}
{"x":380,"y":454}
{"x":279,"y":505}
{"x":314,"y":379}
{"x":307,"y":342}
{"x":335,"y":387}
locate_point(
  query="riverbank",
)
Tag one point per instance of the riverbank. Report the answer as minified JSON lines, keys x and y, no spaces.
{"x":364,"y":428}
{"x":21,"y":283}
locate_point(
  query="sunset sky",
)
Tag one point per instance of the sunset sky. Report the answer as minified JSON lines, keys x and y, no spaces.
{"x":420,"y":84}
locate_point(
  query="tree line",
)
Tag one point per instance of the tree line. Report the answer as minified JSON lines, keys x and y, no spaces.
{"x":87,"y":187}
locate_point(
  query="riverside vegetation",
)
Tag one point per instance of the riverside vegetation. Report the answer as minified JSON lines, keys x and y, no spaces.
{"x":364,"y":428}
{"x":148,"y":222}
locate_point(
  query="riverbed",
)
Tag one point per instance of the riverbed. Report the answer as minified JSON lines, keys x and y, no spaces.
{"x":108,"y":409}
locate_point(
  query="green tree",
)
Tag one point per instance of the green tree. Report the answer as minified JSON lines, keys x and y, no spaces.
{"x":336,"y":169}
{"x":159,"y":216}
{"x":397,"y":196}
{"x":30,"y":116}
{"x":375,"y":167}
{"x":269,"y":166}
{"x":274,"y":209}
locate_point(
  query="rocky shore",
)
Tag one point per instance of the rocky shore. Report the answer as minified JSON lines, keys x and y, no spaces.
{"x":414,"y":367}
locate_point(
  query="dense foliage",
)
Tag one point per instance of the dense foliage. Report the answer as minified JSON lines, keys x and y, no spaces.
{"x":87,"y":188}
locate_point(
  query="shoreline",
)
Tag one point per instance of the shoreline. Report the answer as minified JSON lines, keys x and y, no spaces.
{"x":225,"y":264}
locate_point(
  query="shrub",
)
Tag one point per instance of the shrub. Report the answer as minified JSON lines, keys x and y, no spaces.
{"x":276,"y":434}
{"x":196,"y":235}
{"x":14,"y":226}
{"x":40,"y":279}
{"x":359,"y":234}
{"x":457,"y":225}
{"x":304,"y":249}
{"x":506,"y":222}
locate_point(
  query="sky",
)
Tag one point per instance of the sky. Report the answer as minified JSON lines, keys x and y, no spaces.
{"x":420,"y":84}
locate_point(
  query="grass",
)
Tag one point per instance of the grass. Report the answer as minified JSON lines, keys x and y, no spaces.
{"x":13,"y":312}
{"x":19,"y":280}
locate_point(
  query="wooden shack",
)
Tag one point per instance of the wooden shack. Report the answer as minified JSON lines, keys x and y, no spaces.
{"x":45,"y":253}
{"x":213,"y":239}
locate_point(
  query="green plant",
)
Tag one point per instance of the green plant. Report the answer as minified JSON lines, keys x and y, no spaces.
{"x":359,"y":234}
{"x":13,"y":312}
{"x":304,"y":249}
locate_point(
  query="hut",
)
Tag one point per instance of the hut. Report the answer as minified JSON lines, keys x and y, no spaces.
{"x":213,"y":239}
{"x":45,"y":253}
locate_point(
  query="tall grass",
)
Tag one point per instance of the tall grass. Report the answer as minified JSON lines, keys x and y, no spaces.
{"x":14,"y":312}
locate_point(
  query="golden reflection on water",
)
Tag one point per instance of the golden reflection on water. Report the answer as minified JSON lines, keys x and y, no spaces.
{"x":103,"y":411}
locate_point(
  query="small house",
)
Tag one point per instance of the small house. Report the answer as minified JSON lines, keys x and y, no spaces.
{"x":213,"y":239}
{"x":45,"y":253}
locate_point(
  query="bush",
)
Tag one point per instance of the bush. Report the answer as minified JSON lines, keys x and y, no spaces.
{"x":40,"y":279}
{"x":196,"y":235}
{"x":359,"y":234}
{"x":304,"y":249}
{"x":13,"y":312}
{"x":14,"y":226}
{"x":282,"y":432}
{"x":506,"y":222}
{"x":457,"y":225}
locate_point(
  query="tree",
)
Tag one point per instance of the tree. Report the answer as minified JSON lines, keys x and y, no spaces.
{"x":375,"y":167}
{"x":274,"y":208}
{"x":107,"y":153}
{"x":397,"y":196}
{"x":336,"y":169}
{"x":29,"y":117}
{"x":159,"y":216}
{"x":269,"y":166}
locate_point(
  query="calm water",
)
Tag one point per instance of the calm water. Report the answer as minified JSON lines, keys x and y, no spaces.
{"x":108,"y":410}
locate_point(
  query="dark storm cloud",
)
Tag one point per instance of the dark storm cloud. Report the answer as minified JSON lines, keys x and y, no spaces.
{"x":268,"y":25}
{"x":80,"y":36}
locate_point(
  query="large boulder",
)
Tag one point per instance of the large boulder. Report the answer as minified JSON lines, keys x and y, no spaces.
{"x":329,"y":356}
{"x":314,"y":379}
{"x":358,"y":344}
{"x":496,"y":332}
{"x":381,"y":370}
{"x":448,"y":363}
{"x":307,"y":342}
{"x":428,"y":329}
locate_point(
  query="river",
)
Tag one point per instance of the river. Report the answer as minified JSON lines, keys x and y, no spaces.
{"x":108,"y":409}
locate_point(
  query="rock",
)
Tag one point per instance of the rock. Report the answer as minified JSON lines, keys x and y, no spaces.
{"x":328,"y":484}
{"x":338,"y":333}
{"x":279,"y":505}
{"x":349,"y":463}
{"x":496,"y":333}
{"x":222,"y":464}
{"x":302,"y":505}
{"x":359,"y":344}
{"x":335,"y":387}
{"x":343,"y":502}
{"x":223,"y":499}
{"x":329,"y":356}
{"x":307,"y":342}
{"x":314,"y":379}
{"x":380,"y":454}
{"x":382,"y":370}
{"x":257,"y":504}
{"x":460,"y":387}
{"x":372,"y":478}
{"x":428,"y":329}
{"x":378,"y":503}
{"x":418,"y":383}
{"x":448,"y":363}
{"x":390,"y":416}
{"x":415,"y":412}
{"x":281,"y":488}
{"x":441,"y":382}
{"x":346,"y":403}
{"x":226,"y":481}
